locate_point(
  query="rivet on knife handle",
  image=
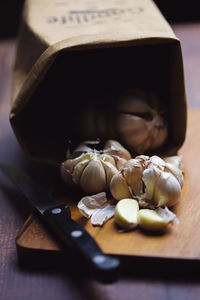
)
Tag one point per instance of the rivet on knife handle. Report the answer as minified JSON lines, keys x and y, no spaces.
{"x":103,"y":265}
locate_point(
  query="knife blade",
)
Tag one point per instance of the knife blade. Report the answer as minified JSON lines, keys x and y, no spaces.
{"x":58,"y":217}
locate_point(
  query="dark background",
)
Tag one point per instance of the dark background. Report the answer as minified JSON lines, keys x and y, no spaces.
{"x":173,"y":10}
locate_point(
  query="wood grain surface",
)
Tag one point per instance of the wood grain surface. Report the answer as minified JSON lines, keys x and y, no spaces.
{"x":50,"y":283}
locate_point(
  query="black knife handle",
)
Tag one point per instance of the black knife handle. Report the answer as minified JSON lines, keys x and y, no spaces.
{"x":104,"y":267}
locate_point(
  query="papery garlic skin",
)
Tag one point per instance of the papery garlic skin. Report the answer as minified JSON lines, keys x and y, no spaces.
{"x":133,"y":172}
{"x":114,"y":148}
{"x":97,"y":207}
{"x":93,"y":170}
{"x":89,"y":204}
{"x":100,"y":216}
{"x":151,"y":180}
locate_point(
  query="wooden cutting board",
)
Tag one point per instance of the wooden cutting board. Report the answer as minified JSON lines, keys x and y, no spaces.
{"x":180,"y":241}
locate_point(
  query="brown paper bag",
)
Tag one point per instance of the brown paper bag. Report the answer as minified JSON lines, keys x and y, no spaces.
{"x":71,"y":53}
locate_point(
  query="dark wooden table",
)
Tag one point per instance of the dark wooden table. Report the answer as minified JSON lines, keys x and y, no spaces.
{"x":48,"y":283}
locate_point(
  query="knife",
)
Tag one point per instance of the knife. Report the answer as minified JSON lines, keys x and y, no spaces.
{"x":58,"y":217}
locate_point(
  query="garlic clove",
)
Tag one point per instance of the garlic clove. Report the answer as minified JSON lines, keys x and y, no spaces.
{"x":159,"y":132}
{"x":143,"y":158}
{"x":110,"y":172}
{"x":119,"y":161}
{"x":113,"y":147}
{"x":126,"y":213}
{"x":176,"y":161}
{"x":132,"y":172}
{"x":66,"y":170}
{"x":151,"y":220}
{"x":176,"y":172}
{"x":84,"y":156}
{"x":100,"y":216}
{"x":157,"y":161}
{"x":119,"y":187}
{"x":93,"y":178}
{"x":78,"y":169}
{"x":107,"y":158}
{"x":84,"y":147}
{"x":167,"y":189}
{"x":81,"y":149}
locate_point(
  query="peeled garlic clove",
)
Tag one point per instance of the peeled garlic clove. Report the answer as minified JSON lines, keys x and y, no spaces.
{"x":78,"y":169}
{"x":126,"y":213}
{"x":110,"y":172}
{"x":100,"y":216}
{"x":167,"y":189}
{"x":133,"y":172}
{"x":150,"y":220}
{"x":93,"y":178}
{"x":113,"y":147}
{"x":119,"y":188}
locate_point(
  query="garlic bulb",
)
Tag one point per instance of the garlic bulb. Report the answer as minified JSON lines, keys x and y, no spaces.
{"x":136,"y":118}
{"x":140,"y":123}
{"x":93,"y":170}
{"x":151,"y":180}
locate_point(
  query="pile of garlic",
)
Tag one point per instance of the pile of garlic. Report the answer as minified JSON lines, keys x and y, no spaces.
{"x":93,"y":170}
{"x":143,"y":186}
